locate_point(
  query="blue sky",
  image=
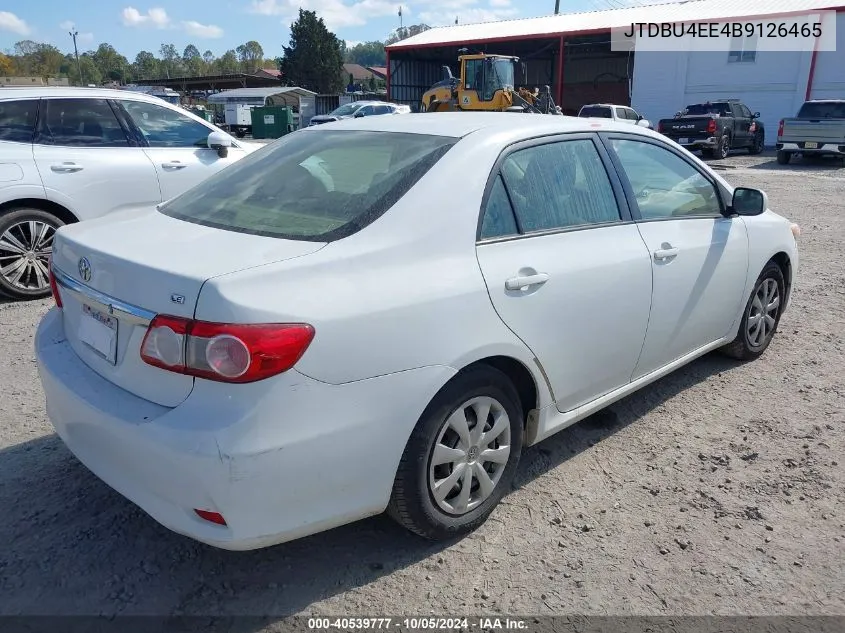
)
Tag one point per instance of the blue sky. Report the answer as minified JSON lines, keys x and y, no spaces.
{"x":217,"y":25}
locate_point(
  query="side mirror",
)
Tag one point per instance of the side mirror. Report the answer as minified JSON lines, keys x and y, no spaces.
{"x":756,"y":115}
{"x":643,"y":122}
{"x":221,"y":142}
{"x":358,"y":114}
{"x":749,"y":202}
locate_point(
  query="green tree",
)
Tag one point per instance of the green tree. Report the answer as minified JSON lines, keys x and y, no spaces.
{"x":208,"y":58}
{"x":250,"y":56}
{"x":193,"y":61}
{"x":367,"y":54}
{"x":314,"y":58}
{"x":111,"y":64}
{"x":90,"y":71}
{"x":170,"y":60}
{"x":227,"y":63}
{"x":146,"y":66}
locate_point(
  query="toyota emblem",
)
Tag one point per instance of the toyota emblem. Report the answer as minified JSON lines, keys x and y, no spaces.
{"x":85,"y":269}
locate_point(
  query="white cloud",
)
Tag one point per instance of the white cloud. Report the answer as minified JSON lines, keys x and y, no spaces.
{"x":335,"y":13}
{"x":85,"y":38}
{"x":11,"y":22}
{"x":202,"y":31}
{"x":444,"y":12}
{"x":67,"y":25}
{"x":156,"y":17}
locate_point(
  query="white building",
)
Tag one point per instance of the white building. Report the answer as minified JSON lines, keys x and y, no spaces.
{"x":578,"y":56}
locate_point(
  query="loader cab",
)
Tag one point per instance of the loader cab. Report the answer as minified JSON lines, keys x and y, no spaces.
{"x":485,"y":75}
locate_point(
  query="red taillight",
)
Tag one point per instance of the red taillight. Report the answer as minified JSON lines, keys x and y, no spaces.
{"x":54,"y":287}
{"x":711,"y":126}
{"x":214,"y":517}
{"x":225,"y":352}
{"x":660,"y":126}
{"x":780,"y":128}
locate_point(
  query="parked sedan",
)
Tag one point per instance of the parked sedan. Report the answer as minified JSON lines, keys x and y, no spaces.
{"x":71,"y":154}
{"x":311,"y":341}
{"x":358,"y":109}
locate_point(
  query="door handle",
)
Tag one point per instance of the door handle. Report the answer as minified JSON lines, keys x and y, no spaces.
{"x":66,"y":168}
{"x":174,"y":165}
{"x":516,"y":283}
{"x":665,"y":253}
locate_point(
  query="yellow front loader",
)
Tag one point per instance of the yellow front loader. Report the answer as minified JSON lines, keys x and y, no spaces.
{"x":485,"y":84}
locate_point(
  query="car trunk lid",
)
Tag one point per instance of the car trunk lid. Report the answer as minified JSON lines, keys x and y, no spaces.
{"x":115,"y":274}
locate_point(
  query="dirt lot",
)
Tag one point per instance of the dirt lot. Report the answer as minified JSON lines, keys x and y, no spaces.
{"x":717,"y":490}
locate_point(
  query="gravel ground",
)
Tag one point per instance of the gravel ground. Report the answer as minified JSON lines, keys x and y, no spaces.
{"x":718,"y":489}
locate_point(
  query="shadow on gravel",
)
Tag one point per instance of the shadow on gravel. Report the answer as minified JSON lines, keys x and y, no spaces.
{"x":71,"y":545}
{"x":804,"y":165}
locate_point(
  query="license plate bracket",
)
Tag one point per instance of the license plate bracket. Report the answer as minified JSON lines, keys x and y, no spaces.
{"x":683,"y":141}
{"x":811,"y":145}
{"x":99,"y":332}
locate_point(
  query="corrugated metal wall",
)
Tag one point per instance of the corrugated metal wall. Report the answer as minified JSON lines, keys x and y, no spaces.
{"x":410,"y":78}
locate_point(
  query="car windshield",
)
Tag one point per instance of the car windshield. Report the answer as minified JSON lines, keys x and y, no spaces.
{"x":595,"y":112}
{"x":701,"y":109}
{"x":347,"y":109}
{"x":312,"y":185}
{"x":822,"y":110}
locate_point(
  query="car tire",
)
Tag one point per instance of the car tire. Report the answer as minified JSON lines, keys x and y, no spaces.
{"x":33,"y":229}
{"x":416,"y":502}
{"x":724,"y":148}
{"x":758,"y":144}
{"x":783,"y":158}
{"x":759,"y":313}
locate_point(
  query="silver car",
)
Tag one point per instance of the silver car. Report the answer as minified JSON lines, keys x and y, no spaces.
{"x":357,"y":109}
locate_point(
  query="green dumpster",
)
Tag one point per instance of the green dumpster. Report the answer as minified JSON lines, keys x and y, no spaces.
{"x":271,"y":121}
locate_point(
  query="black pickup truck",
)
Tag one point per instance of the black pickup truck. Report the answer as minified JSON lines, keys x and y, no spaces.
{"x":716,"y":128}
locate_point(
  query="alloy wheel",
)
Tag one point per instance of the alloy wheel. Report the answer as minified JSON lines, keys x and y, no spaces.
{"x":24,"y":254}
{"x":469,"y":455}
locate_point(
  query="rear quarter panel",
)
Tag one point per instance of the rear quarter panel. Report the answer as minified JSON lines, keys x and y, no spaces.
{"x":405,"y":292}
{"x":19,"y":177}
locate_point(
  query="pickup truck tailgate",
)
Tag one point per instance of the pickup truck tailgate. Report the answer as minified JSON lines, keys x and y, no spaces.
{"x":797,"y":130}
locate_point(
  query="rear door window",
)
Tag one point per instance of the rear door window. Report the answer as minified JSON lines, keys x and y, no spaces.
{"x":80,"y":123}
{"x":314,"y":185}
{"x":17,"y":120}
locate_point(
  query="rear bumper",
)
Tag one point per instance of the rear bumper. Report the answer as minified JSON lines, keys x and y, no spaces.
{"x":279,"y":459}
{"x":835,"y":149}
{"x":711,"y":142}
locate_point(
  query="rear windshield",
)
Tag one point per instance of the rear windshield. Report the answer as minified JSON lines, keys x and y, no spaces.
{"x":830,"y":110}
{"x":595,"y":113}
{"x":702,"y":109}
{"x":313,"y":185}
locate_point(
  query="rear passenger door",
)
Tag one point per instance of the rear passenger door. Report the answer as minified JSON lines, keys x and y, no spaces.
{"x":565,"y":267}
{"x":89,"y":161}
{"x":19,"y":176}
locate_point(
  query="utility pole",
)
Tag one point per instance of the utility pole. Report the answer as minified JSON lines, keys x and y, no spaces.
{"x":557,"y":7}
{"x":73,"y":34}
{"x":400,"y":18}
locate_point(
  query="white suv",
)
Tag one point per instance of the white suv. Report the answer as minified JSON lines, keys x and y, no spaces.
{"x":620,"y":113}
{"x":74,"y":154}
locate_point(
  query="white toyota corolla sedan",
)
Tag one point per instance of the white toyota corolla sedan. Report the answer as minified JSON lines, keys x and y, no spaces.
{"x":380,"y":314}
